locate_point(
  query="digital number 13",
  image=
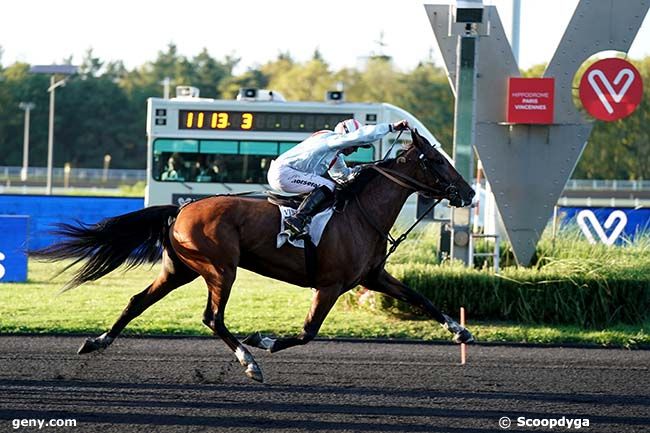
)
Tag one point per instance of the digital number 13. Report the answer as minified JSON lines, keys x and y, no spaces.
{"x":219,"y":120}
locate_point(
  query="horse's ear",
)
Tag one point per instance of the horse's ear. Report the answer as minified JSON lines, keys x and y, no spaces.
{"x":416,"y":138}
{"x":422,"y":144}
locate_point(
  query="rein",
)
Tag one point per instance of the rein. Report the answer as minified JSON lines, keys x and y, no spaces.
{"x":392,"y":145}
{"x":394,"y":176}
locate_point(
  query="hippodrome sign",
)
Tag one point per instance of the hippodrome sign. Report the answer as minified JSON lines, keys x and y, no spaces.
{"x":530,"y":100}
{"x":611,"y":89}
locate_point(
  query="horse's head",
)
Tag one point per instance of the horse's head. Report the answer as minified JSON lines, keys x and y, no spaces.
{"x":438,"y":174}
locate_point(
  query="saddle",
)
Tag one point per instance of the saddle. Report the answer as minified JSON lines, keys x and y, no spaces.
{"x":342,"y":194}
{"x":286,"y":200}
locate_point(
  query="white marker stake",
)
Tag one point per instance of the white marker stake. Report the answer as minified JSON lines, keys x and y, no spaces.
{"x":463,"y":346}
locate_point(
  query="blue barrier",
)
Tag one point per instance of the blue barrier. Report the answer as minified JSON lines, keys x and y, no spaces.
{"x":46,"y":210}
{"x":611,"y":226}
{"x":13,"y":248}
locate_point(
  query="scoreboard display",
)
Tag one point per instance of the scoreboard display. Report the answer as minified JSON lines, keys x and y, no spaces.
{"x":258,"y":120}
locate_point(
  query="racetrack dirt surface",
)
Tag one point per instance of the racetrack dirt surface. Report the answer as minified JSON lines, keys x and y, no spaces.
{"x":195,"y":385}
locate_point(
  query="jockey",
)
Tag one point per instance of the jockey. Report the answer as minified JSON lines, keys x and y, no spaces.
{"x":304,"y":167}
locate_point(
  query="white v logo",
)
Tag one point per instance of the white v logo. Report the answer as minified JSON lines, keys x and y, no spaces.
{"x":591,"y":77}
{"x":586,"y":214}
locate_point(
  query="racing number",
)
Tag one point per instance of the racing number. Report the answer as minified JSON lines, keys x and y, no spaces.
{"x":246,"y":120}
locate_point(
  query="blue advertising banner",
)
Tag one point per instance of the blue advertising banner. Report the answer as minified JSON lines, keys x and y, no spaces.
{"x":611,"y":226}
{"x":47,"y":211}
{"x":14,"y":231}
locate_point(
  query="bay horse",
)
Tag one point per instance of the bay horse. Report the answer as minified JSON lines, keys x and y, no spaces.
{"x":214,"y":236}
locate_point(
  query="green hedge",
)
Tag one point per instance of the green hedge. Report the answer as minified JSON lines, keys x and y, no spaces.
{"x":528,"y":296}
{"x":573,"y":282}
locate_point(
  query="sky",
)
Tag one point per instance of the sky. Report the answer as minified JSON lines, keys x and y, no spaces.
{"x":344,"y":31}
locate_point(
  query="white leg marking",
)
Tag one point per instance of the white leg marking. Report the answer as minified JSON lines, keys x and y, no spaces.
{"x":244,"y":356}
{"x":267,"y":343}
{"x":451,"y":325}
{"x":246,"y":359}
{"x":104,"y":339}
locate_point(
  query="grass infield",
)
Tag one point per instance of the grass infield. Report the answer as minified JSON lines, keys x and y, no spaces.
{"x":256,"y":304}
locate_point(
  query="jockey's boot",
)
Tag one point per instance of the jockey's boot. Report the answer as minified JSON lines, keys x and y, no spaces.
{"x":310,"y":206}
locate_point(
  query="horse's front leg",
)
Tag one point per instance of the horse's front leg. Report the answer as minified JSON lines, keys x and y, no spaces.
{"x":384,"y":282}
{"x":321,"y":304}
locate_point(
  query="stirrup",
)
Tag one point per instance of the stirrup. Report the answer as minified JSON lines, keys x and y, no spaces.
{"x":296,"y":229}
{"x":299,"y":236}
{"x":295,"y":234}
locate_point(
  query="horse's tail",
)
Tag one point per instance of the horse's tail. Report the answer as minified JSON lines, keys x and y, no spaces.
{"x":132,"y":239}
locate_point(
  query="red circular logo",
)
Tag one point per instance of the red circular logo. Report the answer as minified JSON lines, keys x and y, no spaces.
{"x":611,"y":89}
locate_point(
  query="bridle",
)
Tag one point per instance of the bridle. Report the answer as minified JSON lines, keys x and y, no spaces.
{"x":405,"y":181}
{"x":449,"y":192}
{"x":408,"y":182}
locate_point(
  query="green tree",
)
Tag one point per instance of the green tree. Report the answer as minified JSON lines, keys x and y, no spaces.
{"x":90,"y":65}
{"x":277,"y":68}
{"x":380,"y":82}
{"x":253,"y":77}
{"x":91,"y":127}
{"x":207,"y":73}
{"x":427,"y":95}
{"x":303,"y":82}
{"x":18,"y":85}
{"x":103,"y":109}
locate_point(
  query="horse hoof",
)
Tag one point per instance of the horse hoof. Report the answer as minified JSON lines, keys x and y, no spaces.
{"x":463,"y":336}
{"x":90,"y":345}
{"x":257,"y":340}
{"x":253,"y":371}
{"x":253,"y":340}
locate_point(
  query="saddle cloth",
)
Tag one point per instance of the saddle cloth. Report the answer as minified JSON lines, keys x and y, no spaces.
{"x":316,"y":227}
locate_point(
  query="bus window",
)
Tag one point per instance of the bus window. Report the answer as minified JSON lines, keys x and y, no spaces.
{"x":361,"y":155}
{"x":220,"y":147}
{"x":284,"y":146}
{"x":172,"y":158}
{"x":222,"y":161}
{"x":258,"y":148}
{"x":184,"y":146}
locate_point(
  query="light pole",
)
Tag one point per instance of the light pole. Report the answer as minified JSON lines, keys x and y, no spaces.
{"x":107,"y":163}
{"x":468,"y":15}
{"x":516,"y":20}
{"x":67,"y":168}
{"x":54,"y":70}
{"x":166,"y":84}
{"x":27,"y":106}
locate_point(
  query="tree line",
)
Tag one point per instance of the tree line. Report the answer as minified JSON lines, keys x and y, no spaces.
{"x":102,"y":109}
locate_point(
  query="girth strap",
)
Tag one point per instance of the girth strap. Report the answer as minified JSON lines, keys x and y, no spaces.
{"x":311,"y":260}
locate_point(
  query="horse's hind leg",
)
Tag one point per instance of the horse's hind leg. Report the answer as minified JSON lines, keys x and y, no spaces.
{"x":172,"y":275}
{"x":384,"y":282}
